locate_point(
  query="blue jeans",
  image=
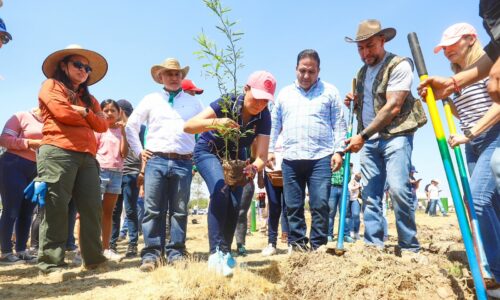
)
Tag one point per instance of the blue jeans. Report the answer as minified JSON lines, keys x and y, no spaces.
{"x":246,"y":201}
{"x":334,"y":204}
{"x":381,"y":160}
{"x":352,"y":216}
{"x":127,"y":199}
{"x":140,"y":212}
{"x":495,"y":167}
{"x":224,"y":201}
{"x":486,"y":199}
{"x":167,"y":185}
{"x":277,"y":208}
{"x":316,"y":175}
{"x":436,"y":203}
{"x":16,"y":173}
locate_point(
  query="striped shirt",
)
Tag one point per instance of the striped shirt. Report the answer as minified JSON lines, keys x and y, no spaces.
{"x":312,"y":122}
{"x":473,"y":103}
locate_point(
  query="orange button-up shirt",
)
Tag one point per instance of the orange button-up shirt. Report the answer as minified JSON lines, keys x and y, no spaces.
{"x":63,"y":126}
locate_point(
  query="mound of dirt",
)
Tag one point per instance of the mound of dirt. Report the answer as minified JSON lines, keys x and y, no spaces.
{"x":369,"y":273}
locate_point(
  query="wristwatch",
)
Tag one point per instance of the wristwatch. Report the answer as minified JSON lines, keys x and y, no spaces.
{"x":468,"y":134}
{"x":364,"y":135}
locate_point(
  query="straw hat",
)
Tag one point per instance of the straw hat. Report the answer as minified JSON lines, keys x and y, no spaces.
{"x":97,"y":62}
{"x":168,"y":64}
{"x":369,"y":28}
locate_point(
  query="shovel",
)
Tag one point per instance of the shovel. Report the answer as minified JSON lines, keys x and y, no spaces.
{"x":339,"y":250}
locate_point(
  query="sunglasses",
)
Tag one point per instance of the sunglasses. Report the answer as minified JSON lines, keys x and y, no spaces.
{"x":5,"y":39}
{"x":79,"y":65}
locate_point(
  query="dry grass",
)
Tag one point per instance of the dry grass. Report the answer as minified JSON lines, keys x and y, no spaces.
{"x":362,"y":273}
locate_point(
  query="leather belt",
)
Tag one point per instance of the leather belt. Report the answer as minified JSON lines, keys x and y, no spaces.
{"x":174,"y":155}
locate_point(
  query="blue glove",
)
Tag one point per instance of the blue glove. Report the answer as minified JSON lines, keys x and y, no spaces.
{"x":36,"y":191}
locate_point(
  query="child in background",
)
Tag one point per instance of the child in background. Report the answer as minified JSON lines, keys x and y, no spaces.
{"x":112,"y":148}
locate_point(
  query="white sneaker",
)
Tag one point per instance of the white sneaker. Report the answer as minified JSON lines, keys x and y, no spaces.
{"x":215,"y":262}
{"x":228,"y":264}
{"x":269,"y":250}
{"x":352,"y":235}
{"x":221,"y":263}
{"x":112,"y":255}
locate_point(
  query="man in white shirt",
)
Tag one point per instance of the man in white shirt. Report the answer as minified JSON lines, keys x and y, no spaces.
{"x":167,"y":172}
{"x":434,"y":198}
{"x":388,"y":116}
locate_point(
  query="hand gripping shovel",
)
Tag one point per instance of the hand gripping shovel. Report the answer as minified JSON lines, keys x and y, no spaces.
{"x":450,"y":172}
{"x":339,"y":250}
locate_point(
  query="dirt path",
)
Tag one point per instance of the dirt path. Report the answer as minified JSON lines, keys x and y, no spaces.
{"x":362,"y":273}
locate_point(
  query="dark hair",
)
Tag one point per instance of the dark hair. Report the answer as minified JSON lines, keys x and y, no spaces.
{"x":110,"y":101}
{"x":308,"y":53}
{"x":83,"y":90}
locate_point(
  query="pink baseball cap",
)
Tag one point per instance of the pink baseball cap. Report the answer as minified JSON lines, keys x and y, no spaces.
{"x":262,"y":84}
{"x":453,"y":33}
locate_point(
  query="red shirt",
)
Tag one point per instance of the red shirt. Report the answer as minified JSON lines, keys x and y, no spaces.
{"x":63,"y":126}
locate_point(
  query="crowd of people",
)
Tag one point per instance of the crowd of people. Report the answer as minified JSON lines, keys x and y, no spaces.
{"x":102,"y":156}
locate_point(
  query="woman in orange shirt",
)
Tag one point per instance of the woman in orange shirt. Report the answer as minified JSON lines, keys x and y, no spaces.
{"x":66,"y":160}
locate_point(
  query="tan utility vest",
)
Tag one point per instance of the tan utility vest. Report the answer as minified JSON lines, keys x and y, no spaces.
{"x":412,"y":115}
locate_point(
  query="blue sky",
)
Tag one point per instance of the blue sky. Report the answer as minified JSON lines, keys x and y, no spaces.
{"x":134,"y":35}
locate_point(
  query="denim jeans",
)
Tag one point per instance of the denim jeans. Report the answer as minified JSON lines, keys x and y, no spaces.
{"x":277,"y":208}
{"x":128,"y":200}
{"x":246,"y":200}
{"x":385,"y":205}
{"x":140,"y":212}
{"x":435,"y":203}
{"x":352,"y":216}
{"x":495,"y":167}
{"x":16,"y":173}
{"x":486,"y":199}
{"x":316,"y":175}
{"x":166,"y":186}
{"x":334,"y":205}
{"x":381,"y":160}
{"x":224,"y":200}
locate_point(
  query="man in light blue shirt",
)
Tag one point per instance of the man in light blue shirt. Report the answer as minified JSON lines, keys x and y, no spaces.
{"x":310,"y":117}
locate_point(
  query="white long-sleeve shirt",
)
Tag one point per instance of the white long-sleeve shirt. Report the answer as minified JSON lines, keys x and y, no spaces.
{"x":165,"y":123}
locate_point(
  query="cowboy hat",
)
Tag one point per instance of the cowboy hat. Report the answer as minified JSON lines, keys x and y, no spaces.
{"x":369,"y":28}
{"x":168,"y":64}
{"x":97,"y":62}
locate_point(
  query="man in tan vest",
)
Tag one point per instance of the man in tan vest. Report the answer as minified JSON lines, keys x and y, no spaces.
{"x":388,"y":116}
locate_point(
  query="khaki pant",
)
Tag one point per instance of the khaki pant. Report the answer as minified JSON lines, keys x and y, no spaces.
{"x":69,"y":175}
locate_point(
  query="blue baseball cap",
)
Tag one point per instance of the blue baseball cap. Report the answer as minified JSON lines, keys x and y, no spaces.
{"x":6,"y":37}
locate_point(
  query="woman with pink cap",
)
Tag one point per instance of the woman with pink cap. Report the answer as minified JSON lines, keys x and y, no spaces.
{"x":478,"y":115}
{"x":250,"y":109}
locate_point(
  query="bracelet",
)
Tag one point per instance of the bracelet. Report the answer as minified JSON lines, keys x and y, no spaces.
{"x":456,"y":87}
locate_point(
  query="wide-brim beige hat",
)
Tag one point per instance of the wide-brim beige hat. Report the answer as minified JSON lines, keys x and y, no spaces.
{"x":168,"y":64}
{"x":97,"y":62}
{"x":369,"y":28}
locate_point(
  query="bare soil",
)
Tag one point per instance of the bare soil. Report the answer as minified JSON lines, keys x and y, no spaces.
{"x":361,"y":273}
